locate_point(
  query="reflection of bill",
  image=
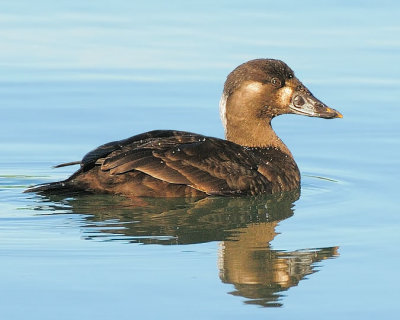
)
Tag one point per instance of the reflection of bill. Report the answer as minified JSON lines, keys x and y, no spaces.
{"x":245,"y":225}
{"x":260,"y":273}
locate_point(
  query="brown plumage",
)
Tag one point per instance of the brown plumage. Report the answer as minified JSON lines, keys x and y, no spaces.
{"x":166,"y":163}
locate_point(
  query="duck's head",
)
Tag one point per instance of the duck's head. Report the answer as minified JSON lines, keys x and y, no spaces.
{"x":259,"y":90}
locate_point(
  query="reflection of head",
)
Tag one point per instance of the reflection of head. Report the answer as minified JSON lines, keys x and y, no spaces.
{"x":260,"y":273}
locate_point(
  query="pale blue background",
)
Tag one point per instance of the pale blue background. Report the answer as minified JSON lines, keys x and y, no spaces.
{"x":76,"y":74}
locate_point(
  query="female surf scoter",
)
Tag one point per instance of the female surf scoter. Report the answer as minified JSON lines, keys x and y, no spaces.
{"x":166,"y":163}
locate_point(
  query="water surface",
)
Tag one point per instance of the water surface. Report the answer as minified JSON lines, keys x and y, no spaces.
{"x":76,"y":75}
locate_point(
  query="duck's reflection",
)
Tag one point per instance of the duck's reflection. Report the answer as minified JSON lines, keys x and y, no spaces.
{"x":244,"y":225}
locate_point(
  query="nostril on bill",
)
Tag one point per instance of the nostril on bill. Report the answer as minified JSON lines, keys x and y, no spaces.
{"x":298,"y":101}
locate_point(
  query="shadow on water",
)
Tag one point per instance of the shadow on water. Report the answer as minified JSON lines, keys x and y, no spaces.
{"x":244,"y":225}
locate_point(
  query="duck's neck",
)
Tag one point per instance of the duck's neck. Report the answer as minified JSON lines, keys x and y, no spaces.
{"x":246,"y":120}
{"x":259,"y":134}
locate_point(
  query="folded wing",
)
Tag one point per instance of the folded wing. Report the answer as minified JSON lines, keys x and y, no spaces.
{"x":210,"y":165}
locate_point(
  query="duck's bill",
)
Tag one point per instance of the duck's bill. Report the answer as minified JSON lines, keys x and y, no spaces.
{"x":308,"y":105}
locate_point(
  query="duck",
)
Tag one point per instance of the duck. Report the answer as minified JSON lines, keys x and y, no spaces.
{"x":251,"y":160}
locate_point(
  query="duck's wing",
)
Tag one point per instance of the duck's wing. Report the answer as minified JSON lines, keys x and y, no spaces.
{"x":104,"y":150}
{"x":211,"y":165}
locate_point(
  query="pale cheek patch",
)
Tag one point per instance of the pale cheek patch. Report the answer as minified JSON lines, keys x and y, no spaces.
{"x":254,"y":86}
{"x":285,"y":95}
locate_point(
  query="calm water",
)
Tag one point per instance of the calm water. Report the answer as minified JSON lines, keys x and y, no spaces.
{"x":77,"y":74}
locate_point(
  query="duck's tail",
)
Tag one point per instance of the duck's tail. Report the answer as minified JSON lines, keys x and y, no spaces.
{"x":67,"y":164}
{"x":53,"y":187}
{"x":58,"y":187}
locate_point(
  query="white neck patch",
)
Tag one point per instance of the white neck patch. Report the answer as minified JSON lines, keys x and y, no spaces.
{"x":222,"y":110}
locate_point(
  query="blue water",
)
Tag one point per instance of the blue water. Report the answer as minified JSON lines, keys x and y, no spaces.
{"x":78,"y":74}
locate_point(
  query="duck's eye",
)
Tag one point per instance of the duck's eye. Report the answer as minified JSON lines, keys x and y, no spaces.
{"x":276,"y":82}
